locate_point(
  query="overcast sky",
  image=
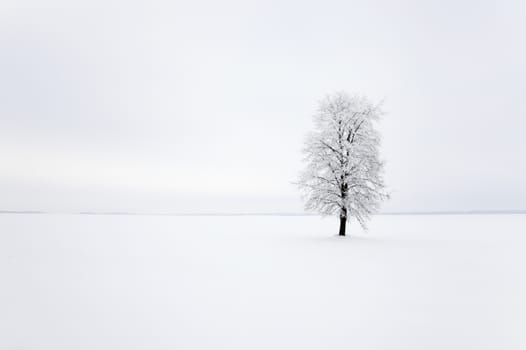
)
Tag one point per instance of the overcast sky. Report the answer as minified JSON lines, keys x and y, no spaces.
{"x":202,"y":106}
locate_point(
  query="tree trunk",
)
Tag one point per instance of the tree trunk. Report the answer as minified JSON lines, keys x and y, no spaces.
{"x":343,"y":222}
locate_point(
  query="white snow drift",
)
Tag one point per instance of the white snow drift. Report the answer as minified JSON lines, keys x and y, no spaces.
{"x":153,"y":282}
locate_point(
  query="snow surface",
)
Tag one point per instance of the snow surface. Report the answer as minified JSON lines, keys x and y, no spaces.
{"x":261,"y":282}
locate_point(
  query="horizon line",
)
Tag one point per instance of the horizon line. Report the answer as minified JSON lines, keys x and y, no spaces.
{"x":394,"y":213}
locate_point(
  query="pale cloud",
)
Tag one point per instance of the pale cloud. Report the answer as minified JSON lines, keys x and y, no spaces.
{"x":211,"y":100}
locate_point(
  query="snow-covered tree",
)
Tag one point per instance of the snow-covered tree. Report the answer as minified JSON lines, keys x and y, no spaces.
{"x":343,"y":174}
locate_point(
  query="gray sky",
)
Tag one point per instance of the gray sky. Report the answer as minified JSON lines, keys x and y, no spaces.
{"x":203,"y":105}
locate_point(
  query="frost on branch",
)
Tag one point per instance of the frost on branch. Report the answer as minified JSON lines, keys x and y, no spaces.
{"x":343,"y":173}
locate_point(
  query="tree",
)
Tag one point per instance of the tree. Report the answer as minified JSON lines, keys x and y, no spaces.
{"x":343,"y":173}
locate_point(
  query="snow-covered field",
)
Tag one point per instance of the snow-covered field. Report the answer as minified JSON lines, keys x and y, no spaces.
{"x":73,"y":282}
